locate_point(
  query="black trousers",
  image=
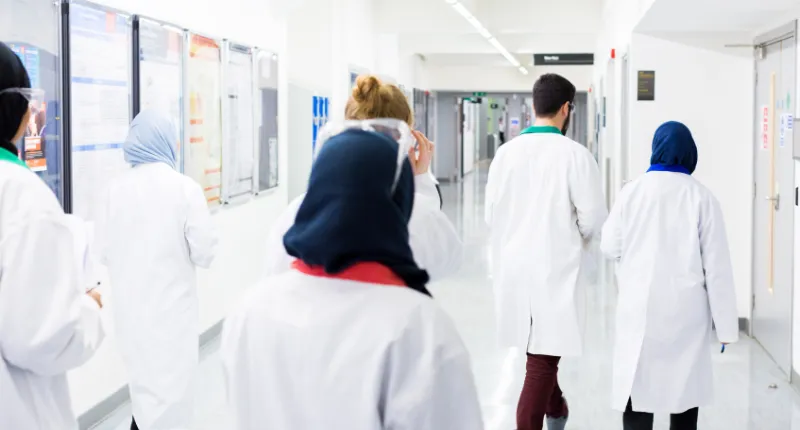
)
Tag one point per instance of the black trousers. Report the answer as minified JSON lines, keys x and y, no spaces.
{"x":644,"y":420}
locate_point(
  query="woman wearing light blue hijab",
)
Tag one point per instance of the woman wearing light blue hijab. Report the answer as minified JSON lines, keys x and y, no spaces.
{"x":667,"y":234}
{"x":156,"y":230}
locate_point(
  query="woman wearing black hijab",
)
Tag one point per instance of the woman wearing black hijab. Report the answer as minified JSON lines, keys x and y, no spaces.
{"x":666,"y":232}
{"x":48,"y":325}
{"x":350,"y":338}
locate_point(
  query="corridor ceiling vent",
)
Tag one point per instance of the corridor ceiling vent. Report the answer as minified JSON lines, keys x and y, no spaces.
{"x":464,"y":12}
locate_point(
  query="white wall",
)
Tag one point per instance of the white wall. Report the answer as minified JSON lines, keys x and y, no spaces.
{"x":311,"y":47}
{"x":242,"y":229}
{"x":497,"y":79}
{"x":712,"y":94}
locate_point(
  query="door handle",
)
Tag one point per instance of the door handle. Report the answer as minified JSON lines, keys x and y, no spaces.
{"x":776,"y":199}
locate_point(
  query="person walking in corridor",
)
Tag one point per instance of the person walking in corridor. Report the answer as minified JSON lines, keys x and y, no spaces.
{"x":674,"y":273}
{"x":544,"y":205}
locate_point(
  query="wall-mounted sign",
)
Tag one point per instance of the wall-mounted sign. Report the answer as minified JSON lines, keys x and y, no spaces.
{"x":563,"y":59}
{"x":494,"y":106}
{"x":480,"y":94}
{"x":646,"y":88}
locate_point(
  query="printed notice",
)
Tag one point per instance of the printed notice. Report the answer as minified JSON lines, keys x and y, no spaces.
{"x":203,"y":154}
{"x":100,"y":81}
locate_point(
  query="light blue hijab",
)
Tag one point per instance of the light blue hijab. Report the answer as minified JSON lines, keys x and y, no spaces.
{"x":151,"y":139}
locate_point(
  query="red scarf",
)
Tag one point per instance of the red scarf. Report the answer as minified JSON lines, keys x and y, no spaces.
{"x":373,"y":273}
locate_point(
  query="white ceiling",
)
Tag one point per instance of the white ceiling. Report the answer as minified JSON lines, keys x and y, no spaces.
{"x":432,"y":28}
{"x":709,"y":16}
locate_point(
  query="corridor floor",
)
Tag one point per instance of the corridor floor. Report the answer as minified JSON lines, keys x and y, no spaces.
{"x":751,"y":393}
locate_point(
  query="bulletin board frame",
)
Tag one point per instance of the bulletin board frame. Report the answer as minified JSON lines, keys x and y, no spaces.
{"x":35,"y":36}
{"x":136,"y":96}
{"x":231,"y":157}
{"x":66,"y":45}
{"x":272,"y":143}
{"x":214,"y":202}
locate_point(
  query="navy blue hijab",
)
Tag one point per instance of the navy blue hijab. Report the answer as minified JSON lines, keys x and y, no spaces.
{"x":350,"y":214}
{"x":674,"y":149}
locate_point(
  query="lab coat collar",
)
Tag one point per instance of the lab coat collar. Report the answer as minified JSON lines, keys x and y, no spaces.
{"x":373,"y":273}
{"x":6,"y":155}
{"x":664,"y":168}
{"x":536,"y":129}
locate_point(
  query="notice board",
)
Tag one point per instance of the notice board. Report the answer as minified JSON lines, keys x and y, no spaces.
{"x":267,"y":118}
{"x":32,"y":32}
{"x":159,"y":72}
{"x":203,"y":156}
{"x":100,"y":54}
{"x":239,"y":125}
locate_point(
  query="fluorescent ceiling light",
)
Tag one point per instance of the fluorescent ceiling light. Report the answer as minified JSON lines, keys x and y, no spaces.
{"x":464,"y":12}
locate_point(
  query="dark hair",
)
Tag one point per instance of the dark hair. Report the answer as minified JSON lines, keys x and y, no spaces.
{"x":12,"y":106}
{"x":550,"y":92}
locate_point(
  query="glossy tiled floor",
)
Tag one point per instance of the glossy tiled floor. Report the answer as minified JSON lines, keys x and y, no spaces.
{"x":743,"y":374}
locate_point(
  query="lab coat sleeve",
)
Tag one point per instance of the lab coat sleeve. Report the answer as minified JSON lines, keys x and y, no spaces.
{"x":587,"y":195}
{"x":278,"y":260}
{"x":201,"y":234}
{"x":434,"y":241}
{"x":425,"y":185}
{"x":48,"y":325}
{"x":429,"y":383}
{"x":718,"y":272}
{"x":491,"y":186}
{"x":611,"y":238}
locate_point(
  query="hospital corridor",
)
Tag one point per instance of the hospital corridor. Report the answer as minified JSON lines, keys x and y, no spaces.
{"x":751,"y":393}
{"x":399,"y":215}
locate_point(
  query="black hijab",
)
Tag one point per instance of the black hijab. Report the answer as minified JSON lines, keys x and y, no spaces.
{"x":12,"y":106}
{"x":350,"y":214}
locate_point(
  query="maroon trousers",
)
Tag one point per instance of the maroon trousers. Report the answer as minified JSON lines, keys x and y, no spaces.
{"x":541,"y":396}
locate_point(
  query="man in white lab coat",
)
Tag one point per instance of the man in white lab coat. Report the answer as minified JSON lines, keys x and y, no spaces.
{"x":544,"y":204}
{"x":674,"y":272}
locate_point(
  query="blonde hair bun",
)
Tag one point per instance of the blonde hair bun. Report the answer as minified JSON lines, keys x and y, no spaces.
{"x":372,"y":99}
{"x":368,"y":88}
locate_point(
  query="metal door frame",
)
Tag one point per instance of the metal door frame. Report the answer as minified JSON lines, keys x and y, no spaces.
{"x":779,"y":34}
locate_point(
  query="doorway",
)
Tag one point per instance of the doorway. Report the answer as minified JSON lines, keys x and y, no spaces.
{"x":773,"y":207}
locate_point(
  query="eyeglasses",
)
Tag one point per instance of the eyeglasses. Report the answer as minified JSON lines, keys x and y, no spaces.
{"x":34,"y":96}
{"x":394,"y":129}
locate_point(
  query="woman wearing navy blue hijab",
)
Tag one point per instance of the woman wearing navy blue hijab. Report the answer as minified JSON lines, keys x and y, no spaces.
{"x":349,"y":338}
{"x":667,"y":234}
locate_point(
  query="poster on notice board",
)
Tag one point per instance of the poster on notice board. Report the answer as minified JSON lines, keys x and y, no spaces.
{"x":32,"y":33}
{"x":203,"y":155}
{"x":100,"y":59}
{"x":239,"y":156}
{"x":161,"y":72}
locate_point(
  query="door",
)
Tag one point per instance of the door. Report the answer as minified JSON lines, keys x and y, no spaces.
{"x":624,"y":129}
{"x":773,"y":218}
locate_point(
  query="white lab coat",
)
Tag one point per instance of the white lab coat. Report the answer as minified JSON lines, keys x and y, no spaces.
{"x":155,"y":229}
{"x":48,"y":325}
{"x":674,"y":275}
{"x":435,"y":243}
{"x":544,"y":205}
{"x":306,"y":353}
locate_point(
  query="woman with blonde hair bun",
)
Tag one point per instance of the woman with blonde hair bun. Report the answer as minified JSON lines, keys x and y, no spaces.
{"x":435,"y":244}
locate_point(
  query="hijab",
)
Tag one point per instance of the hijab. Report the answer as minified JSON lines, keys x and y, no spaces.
{"x":350,"y":214}
{"x":12,"y":106}
{"x":152,"y":139}
{"x":674,"y":149}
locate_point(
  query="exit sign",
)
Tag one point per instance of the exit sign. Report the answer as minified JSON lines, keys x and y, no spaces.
{"x":478,"y":94}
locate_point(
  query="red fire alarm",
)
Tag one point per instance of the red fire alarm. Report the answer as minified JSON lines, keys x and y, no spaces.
{"x":613,"y":53}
